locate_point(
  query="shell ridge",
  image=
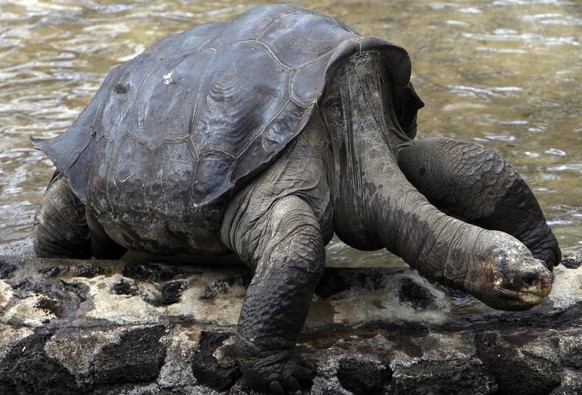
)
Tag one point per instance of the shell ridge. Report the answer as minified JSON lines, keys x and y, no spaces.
{"x":108,"y":181}
{"x":214,"y":151}
{"x":144,"y":190}
{"x":211,"y":37}
{"x":77,"y":153}
{"x":294,"y":71}
{"x":115,"y":77}
{"x":142,"y":106}
{"x":280,"y":17}
{"x":251,"y":142}
{"x":138,"y":138}
{"x":45,"y":145}
{"x":315,"y":60}
{"x":192,"y":120}
{"x":241,"y":153}
{"x":272,"y":53}
{"x":302,"y":123}
{"x":270,"y":123}
{"x":293,"y":97}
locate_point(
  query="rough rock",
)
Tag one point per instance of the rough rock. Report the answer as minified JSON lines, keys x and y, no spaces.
{"x":122,"y":327}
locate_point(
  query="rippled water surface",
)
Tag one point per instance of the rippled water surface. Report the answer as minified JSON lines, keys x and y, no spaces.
{"x":505,"y":73}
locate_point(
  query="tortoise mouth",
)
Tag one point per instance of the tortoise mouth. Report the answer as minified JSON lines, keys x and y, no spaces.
{"x":527,"y":296}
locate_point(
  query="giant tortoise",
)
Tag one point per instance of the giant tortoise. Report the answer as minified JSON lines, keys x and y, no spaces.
{"x":264,"y":136}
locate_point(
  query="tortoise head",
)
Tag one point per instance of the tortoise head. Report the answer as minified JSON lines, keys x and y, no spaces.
{"x":512,"y":279}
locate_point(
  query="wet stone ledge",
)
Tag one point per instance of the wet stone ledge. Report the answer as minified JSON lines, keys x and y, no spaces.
{"x":116,"y":327}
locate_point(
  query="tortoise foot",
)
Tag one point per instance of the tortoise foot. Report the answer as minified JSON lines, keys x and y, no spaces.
{"x":278,"y":373}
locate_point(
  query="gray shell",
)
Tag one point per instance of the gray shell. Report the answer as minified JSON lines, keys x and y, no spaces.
{"x":190,"y":119}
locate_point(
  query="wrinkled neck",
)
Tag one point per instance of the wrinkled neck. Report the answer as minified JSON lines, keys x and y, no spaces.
{"x":359,"y":110}
{"x":374,"y":204}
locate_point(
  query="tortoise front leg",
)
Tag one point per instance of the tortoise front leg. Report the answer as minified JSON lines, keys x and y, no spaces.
{"x":285,"y":248}
{"x":475,"y":184}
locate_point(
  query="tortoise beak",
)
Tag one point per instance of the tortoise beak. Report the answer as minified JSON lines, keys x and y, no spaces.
{"x":523,"y":290}
{"x":534,"y":286}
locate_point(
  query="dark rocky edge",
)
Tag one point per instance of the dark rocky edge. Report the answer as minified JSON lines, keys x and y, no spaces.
{"x":117,"y":327}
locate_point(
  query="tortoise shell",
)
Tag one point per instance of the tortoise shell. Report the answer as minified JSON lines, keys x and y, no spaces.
{"x":194,"y":117}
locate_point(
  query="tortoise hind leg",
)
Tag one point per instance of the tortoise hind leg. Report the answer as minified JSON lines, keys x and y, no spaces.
{"x":475,"y":184}
{"x":64,"y":228}
{"x":60,"y":227}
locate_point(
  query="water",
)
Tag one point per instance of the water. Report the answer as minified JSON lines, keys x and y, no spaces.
{"x":505,"y":73}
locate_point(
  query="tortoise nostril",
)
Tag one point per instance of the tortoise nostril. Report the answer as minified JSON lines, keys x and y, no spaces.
{"x":530,"y":279}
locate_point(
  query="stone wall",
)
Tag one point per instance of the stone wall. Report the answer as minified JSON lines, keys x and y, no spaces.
{"x":116,"y":327}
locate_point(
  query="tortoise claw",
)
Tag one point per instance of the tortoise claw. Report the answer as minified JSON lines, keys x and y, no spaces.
{"x":281,"y":377}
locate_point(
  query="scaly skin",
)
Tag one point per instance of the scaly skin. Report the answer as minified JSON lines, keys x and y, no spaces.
{"x":475,"y":184}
